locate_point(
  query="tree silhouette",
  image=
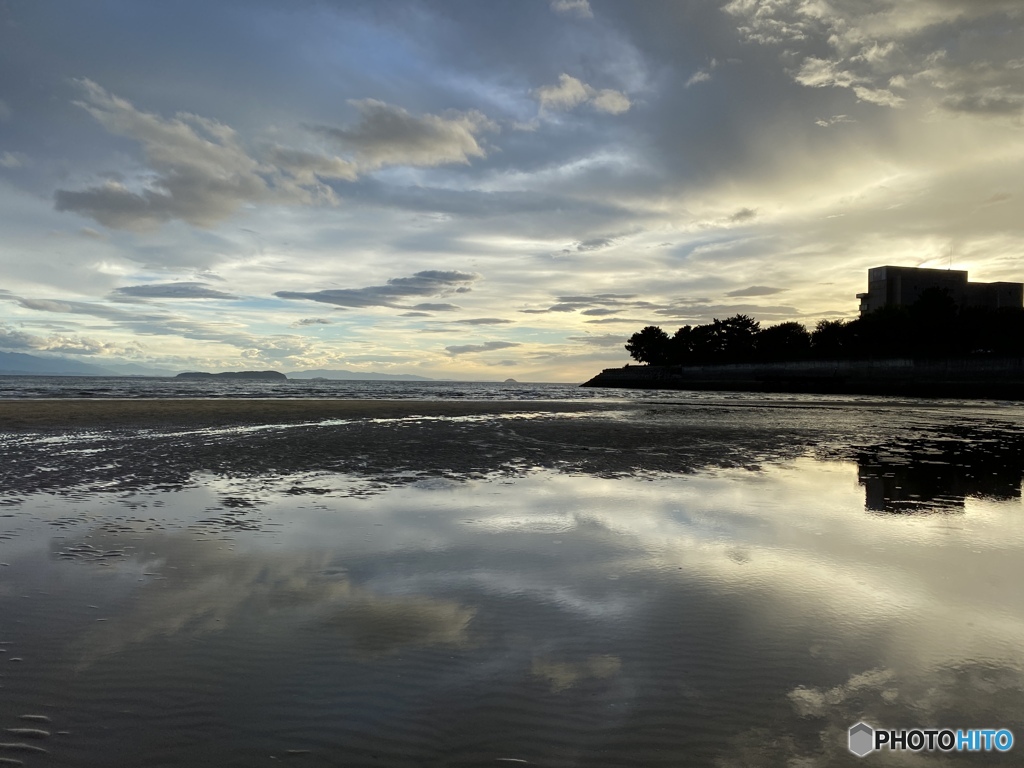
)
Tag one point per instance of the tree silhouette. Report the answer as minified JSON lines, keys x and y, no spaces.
{"x":739,"y":338}
{"x":933,"y":326}
{"x":830,"y":339}
{"x":651,"y":345}
{"x":785,"y":341}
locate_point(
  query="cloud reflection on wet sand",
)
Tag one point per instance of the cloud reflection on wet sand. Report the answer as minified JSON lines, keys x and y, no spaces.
{"x":732,"y":616}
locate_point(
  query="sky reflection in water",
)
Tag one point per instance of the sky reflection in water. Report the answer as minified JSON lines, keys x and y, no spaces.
{"x":732,"y":617}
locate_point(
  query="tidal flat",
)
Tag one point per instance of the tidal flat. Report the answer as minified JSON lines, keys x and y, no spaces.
{"x":718,"y":583}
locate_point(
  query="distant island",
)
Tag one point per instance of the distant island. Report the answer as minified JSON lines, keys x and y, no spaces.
{"x":249,"y":375}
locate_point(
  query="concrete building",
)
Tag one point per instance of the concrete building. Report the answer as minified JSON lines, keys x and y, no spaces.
{"x":902,"y":286}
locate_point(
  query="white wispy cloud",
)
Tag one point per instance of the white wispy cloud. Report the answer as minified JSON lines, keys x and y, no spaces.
{"x":570,"y":92}
{"x":580,"y":8}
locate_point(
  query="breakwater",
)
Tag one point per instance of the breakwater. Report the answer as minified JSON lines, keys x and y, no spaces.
{"x":971,"y":378}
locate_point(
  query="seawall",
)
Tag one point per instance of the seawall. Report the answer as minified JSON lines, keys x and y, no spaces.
{"x":1001,"y":379}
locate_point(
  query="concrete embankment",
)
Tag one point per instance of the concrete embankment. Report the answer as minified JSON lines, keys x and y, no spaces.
{"x":972,"y":378}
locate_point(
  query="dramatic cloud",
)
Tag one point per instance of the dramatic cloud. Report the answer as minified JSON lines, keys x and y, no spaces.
{"x":570,"y":92}
{"x":202,"y":172}
{"x":172,"y":291}
{"x":427,"y":283}
{"x":488,"y":346}
{"x":889,"y":51}
{"x":605,"y":167}
{"x":12,"y":339}
{"x":388,"y":135}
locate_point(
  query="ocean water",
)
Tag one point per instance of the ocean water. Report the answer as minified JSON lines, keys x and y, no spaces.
{"x":141,"y":387}
{"x":665,"y":583}
{"x":12,"y":387}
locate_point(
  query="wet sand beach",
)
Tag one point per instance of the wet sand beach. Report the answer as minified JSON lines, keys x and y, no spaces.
{"x":193,"y":412}
{"x":407,"y":583}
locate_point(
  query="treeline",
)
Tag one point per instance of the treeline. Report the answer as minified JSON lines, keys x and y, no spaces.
{"x":933,"y":327}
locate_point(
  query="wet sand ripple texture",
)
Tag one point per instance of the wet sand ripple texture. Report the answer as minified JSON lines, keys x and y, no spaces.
{"x":184,"y":413}
{"x":638,"y":584}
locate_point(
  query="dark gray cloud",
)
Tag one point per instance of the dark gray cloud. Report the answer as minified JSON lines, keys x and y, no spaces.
{"x":487,"y":346}
{"x":78,"y":308}
{"x":415,"y":314}
{"x":172,"y":291}
{"x":389,"y":135}
{"x":594,"y":244}
{"x":483,"y":321}
{"x":308,"y":321}
{"x":743,"y":214}
{"x":428,"y":307}
{"x":427,"y":283}
{"x":755,"y":290}
{"x":203,"y":174}
{"x":602,"y":311}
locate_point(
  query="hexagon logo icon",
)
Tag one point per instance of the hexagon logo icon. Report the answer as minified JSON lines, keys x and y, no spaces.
{"x":862,"y":739}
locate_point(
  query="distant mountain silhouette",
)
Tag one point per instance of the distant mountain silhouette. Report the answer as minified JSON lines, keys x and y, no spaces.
{"x":21,"y":364}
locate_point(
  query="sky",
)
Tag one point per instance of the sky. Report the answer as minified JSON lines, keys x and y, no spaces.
{"x":487,"y":190}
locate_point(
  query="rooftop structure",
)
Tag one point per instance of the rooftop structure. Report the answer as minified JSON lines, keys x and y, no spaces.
{"x":902,"y":286}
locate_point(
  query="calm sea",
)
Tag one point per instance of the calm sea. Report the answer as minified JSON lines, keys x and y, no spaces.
{"x":146,"y":387}
{"x":131,"y":387}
